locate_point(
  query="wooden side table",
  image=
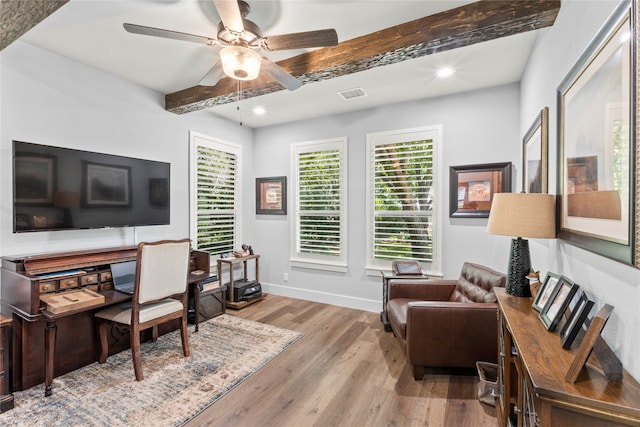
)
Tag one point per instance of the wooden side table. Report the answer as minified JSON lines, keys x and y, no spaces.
{"x":231,"y":263}
{"x":6,"y":398}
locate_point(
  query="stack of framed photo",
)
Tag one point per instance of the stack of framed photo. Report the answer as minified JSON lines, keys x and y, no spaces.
{"x":552,"y":301}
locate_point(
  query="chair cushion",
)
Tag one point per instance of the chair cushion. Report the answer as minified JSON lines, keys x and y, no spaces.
{"x":121,"y":313}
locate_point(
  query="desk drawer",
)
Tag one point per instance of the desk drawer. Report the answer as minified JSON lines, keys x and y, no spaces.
{"x":89,"y":279}
{"x":47,"y":286}
{"x":69,"y":283}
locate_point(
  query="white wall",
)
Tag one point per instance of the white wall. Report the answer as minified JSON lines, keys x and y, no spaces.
{"x":478,"y":127}
{"x":49,"y":100}
{"x":605,"y":281}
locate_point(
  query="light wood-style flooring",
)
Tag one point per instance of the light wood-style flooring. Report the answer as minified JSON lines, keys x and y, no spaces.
{"x":345,"y":371}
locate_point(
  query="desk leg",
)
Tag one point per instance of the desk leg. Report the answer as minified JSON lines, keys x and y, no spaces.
{"x":49,"y":351}
{"x":196,"y":304}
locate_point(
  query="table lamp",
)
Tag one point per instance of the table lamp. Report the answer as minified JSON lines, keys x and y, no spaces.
{"x":521,"y":215}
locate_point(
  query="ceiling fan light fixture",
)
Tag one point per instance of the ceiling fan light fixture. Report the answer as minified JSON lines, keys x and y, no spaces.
{"x":240,"y":63}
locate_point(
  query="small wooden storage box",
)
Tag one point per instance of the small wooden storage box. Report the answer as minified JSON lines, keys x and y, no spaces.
{"x":67,"y":301}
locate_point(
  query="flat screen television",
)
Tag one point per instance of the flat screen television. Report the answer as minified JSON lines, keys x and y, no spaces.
{"x":61,"y":189}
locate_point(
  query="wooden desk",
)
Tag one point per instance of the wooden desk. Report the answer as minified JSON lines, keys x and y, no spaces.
{"x":70,"y":339}
{"x":110,"y":297}
{"x":6,"y":398}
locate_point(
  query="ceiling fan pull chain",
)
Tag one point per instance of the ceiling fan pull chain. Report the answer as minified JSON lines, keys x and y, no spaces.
{"x":239,"y":86}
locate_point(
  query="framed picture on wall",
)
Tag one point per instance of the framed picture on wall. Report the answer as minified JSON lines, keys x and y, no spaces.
{"x":535,"y":155}
{"x":472,"y":187}
{"x":271,"y":195}
{"x":596,"y":144}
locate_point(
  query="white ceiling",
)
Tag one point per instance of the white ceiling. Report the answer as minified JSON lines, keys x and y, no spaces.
{"x":91,"y":32}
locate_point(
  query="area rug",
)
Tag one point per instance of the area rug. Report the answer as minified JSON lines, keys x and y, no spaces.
{"x":226,"y":350}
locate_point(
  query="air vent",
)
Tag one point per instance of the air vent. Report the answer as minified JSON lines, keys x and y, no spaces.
{"x":352,"y":93}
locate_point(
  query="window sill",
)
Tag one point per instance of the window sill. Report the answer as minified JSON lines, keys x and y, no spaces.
{"x":318,"y":265}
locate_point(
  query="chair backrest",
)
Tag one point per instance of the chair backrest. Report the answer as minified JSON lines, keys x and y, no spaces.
{"x":162,"y":269}
{"x":476,"y":284}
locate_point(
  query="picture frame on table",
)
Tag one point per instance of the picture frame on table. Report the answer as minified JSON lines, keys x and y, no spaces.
{"x":472,"y":188}
{"x":575,"y":321}
{"x":597,"y":143}
{"x":271,"y":195}
{"x":546,"y":290}
{"x":558,"y":302}
{"x":535,"y":155}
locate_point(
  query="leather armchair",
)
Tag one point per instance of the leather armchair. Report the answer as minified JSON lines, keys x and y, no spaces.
{"x":446,"y":323}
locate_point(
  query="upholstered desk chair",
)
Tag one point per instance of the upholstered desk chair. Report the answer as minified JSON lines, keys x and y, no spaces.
{"x":160,"y":295}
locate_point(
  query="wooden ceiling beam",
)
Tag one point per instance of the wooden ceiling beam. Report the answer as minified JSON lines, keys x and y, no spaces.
{"x":19,"y":16}
{"x":463,"y":26}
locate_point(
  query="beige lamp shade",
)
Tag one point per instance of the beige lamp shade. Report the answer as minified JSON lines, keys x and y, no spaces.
{"x":529,"y":215}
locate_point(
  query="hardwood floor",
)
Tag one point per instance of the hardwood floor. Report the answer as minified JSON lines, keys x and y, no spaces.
{"x":345,"y":371}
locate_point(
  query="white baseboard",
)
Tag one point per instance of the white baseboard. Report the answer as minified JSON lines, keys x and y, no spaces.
{"x":323,"y":297}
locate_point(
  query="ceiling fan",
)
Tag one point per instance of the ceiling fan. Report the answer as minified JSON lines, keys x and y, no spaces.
{"x":241,"y":42}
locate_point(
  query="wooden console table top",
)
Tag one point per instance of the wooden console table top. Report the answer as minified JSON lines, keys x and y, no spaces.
{"x":547,"y":363}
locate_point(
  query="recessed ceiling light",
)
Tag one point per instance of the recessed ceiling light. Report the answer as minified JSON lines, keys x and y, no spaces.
{"x":259,"y":111}
{"x":445,"y":72}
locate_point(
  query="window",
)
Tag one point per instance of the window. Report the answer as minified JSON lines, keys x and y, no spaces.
{"x":214,"y":201}
{"x":320,"y":210}
{"x":403,"y":205}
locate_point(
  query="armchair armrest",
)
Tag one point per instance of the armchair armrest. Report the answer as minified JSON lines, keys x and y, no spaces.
{"x":422,"y":289}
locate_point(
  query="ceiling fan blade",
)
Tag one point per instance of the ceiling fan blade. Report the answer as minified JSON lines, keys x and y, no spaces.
{"x":213,"y":76}
{"x":280,"y":75}
{"x":168,"y":34}
{"x":302,"y":40}
{"x":229,"y":12}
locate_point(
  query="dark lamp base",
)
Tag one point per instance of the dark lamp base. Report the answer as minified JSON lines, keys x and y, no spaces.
{"x":519,"y":268}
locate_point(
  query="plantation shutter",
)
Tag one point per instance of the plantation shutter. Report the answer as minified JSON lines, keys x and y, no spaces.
{"x":319,"y":202}
{"x":403,"y":194}
{"x":216,"y":200}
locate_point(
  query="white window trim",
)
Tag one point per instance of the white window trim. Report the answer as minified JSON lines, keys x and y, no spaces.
{"x":315,"y":261}
{"x":197,"y":139}
{"x":434,"y":133}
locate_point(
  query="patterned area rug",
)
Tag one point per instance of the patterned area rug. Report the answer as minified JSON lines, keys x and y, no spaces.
{"x":225,"y":351}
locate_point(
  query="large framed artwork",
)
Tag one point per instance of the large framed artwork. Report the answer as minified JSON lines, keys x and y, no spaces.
{"x":106,"y":185}
{"x":472,"y":187}
{"x":271,"y":195}
{"x":535,"y":155}
{"x":34,"y":180}
{"x":596,"y":144}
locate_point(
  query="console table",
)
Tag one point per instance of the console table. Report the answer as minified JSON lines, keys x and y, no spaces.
{"x":531,"y":377}
{"x":47,"y":344}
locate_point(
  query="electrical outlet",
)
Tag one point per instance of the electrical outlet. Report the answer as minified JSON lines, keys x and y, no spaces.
{"x":286,"y":277}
